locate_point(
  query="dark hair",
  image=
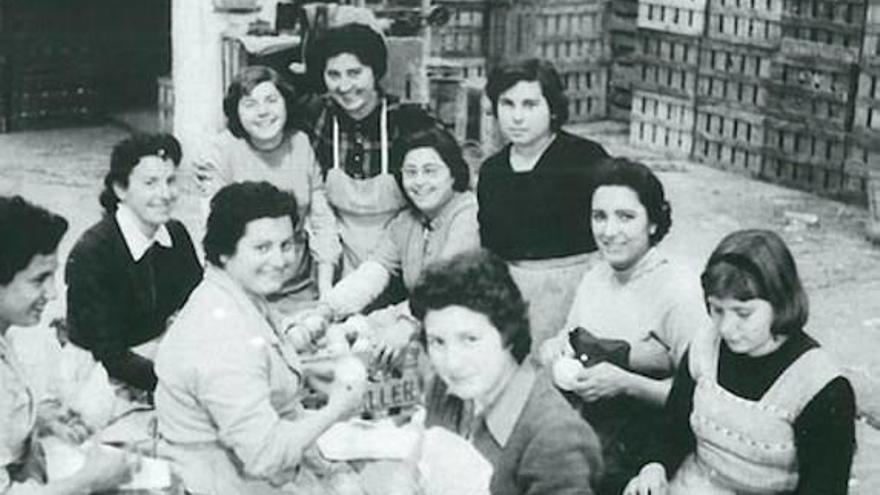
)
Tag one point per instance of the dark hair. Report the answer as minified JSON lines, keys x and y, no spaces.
{"x":357,"y":39}
{"x":126,"y":155}
{"x":27,"y":230}
{"x":508,"y":75}
{"x":445,"y":145}
{"x":756,"y":264}
{"x":242,"y":85}
{"x":646,"y":185}
{"x":236,"y":205}
{"x":480,"y":281}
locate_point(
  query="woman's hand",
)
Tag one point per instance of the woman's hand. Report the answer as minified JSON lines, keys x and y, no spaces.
{"x":602,"y":381}
{"x":106,"y":468}
{"x":555,"y":348}
{"x":306,"y":328}
{"x":651,"y":480}
{"x":57,"y":420}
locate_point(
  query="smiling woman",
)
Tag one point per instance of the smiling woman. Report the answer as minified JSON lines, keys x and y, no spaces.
{"x":356,"y":128}
{"x":28,"y":261}
{"x":636,"y":298}
{"x":228,"y":398}
{"x":264,"y":141}
{"x":132,"y":270}
{"x":441,"y":221}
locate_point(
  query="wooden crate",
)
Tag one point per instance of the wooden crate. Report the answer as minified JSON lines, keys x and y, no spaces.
{"x":686,"y":17}
{"x":586,"y":86}
{"x":830,"y":29}
{"x":729,"y":138}
{"x":662,"y":123}
{"x":570,"y":31}
{"x":806,"y":157}
{"x":820,"y":91}
{"x":871,"y":38}
{"x":757,"y":23}
{"x":733,"y":74}
{"x":666,"y":63}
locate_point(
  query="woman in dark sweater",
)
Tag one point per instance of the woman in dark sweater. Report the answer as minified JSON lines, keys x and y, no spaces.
{"x":534,"y":195}
{"x":757,"y":406}
{"x":133,"y":269}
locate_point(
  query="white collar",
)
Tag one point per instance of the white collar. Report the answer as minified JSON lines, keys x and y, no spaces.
{"x":136,"y":241}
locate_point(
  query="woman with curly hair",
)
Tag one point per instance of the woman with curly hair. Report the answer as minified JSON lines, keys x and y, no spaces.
{"x":633,"y":317}
{"x":476,"y":333}
{"x":131,"y":271}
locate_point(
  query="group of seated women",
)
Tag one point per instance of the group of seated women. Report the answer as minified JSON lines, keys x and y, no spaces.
{"x":350,"y":204}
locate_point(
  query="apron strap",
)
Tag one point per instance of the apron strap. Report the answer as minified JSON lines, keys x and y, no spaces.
{"x":383,"y":133}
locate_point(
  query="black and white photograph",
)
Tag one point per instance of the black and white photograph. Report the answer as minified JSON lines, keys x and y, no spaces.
{"x":440,"y":247}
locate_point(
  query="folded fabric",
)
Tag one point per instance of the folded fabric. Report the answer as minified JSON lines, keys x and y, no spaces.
{"x":64,"y":459}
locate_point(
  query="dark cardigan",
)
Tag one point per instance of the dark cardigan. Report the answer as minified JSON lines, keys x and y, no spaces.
{"x":112,"y":303}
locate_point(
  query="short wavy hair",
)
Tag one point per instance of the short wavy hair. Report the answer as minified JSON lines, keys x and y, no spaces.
{"x":508,"y":75}
{"x":646,"y":185}
{"x":357,"y":39}
{"x":480,"y":281}
{"x":236,"y":205}
{"x":756,"y":264}
{"x":445,"y":145}
{"x":245,"y":82}
{"x":27,"y":230}
{"x":125,"y":157}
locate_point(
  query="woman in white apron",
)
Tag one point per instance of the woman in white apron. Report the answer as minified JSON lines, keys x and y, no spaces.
{"x":355,"y":130}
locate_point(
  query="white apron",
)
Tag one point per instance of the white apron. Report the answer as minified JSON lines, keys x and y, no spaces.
{"x":363,"y":207}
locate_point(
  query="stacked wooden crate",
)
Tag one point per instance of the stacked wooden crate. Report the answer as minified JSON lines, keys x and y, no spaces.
{"x":572,"y":35}
{"x":863,"y":149}
{"x":50,"y":76}
{"x":620,"y":23}
{"x":735,"y":66}
{"x":664,"y":90}
{"x":812,"y":94}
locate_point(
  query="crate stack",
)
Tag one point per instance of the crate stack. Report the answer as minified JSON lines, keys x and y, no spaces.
{"x":812,"y":95}
{"x":571,"y":34}
{"x":51,"y":74}
{"x":863,"y":150}
{"x":620,"y":24}
{"x":735,"y":66}
{"x":666,"y":59}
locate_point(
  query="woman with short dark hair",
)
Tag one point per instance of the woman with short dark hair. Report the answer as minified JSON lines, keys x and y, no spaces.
{"x":757,"y":406}
{"x":638,"y":299}
{"x":264,"y":140}
{"x":475,"y":330}
{"x":356,"y":128}
{"x":131,"y":271}
{"x":28,"y":260}
{"x":228,"y":399}
{"x":534,"y":193}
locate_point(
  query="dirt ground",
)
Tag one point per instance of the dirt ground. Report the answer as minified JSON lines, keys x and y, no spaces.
{"x":62,"y":169}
